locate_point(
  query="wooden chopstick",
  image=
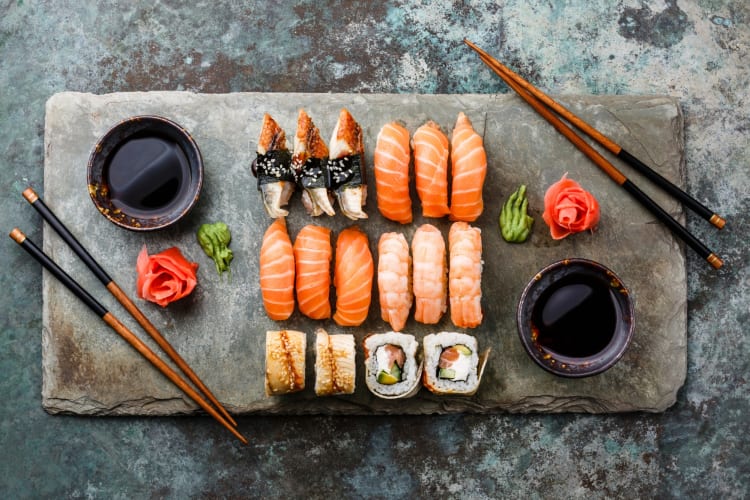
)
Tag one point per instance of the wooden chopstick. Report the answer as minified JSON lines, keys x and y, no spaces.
{"x":30,"y":195}
{"x":121,"y":329}
{"x":607,"y":143}
{"x":605,"y":165}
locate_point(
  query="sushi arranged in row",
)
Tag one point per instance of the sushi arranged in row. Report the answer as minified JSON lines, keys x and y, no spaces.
{"x":322,"y":172}
{"x":432,"y":151}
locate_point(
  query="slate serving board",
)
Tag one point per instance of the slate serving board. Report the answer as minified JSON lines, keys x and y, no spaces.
{"x":220,"y":328}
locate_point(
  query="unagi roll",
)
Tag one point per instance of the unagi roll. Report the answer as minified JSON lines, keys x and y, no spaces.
{"x":392,"y":367}
{"x":335,"y":369}
{"x":453,"y":364}
{"x":285,"y":361}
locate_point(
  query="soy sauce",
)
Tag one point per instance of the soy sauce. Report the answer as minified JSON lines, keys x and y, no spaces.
{"x":148,"y":175}
{"x":576,"y":317}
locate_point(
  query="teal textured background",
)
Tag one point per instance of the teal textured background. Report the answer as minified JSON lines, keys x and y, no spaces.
{"x":695,"y":50}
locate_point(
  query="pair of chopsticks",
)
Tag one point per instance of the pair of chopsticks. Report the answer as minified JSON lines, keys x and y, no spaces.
{"x":542,"y":103}
{"x":219,"y":412}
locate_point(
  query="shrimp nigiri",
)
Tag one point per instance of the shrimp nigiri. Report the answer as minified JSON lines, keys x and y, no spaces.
{"x":391,"y":165}
{"x":309,"y":164}
{"x":346,"y":166}
{"x":431,"y":169}
{"x":272,"y":167}
{"x":465,"y":275}
{"x":312,"y":257}
{"x":468,"y":170}
{"x":277,"y":271}
{"x":353,"y":274}
{"x":430,"y":280}
{"x":394,"y":279}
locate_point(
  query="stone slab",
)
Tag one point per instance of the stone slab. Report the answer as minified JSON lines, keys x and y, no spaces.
{"x":220,"y":328}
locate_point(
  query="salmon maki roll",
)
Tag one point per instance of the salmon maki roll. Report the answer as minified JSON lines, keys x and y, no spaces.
{"x":277,"y":271}
{"x":312,"y":258}
{"x":468,"y":170}
{"x":465,"y":275}
{"x":346,"y":166}
{"x":430,"y":275}
{"x":353,"y":275}
{"x":391,"y":165}
{"x":309,"y":163}
{"x":394,"y":279}
{"x":273,"y":168}
{"x":431,"y":169}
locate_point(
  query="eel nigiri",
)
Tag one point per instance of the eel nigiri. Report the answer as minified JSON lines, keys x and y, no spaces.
{"x":312,"y":258}
{"x":352,"y":278}
{"x":431,"y":169}
{"x":309,"y":164}
{"x":430,"y":274}
{"x":277,"y":271}
{"x":468,"y":169}
{"x":391,"y":166}
{"x":394,"y":279}
{"x":346,"y":166}
{"x":465,"y":275}
{"x":272,"y":167}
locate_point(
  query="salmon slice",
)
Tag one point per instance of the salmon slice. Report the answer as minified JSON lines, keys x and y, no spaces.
{"x":277,"y":271}
{"x":430,"y":274}
{"x":465,"y":276}
{"x":468,"y":170}
{"x":391,"y":165}
{"x":394,"y":279}
{"x":312,"y":258}
{"x":352,"y":278}
{"x":431,"y":169}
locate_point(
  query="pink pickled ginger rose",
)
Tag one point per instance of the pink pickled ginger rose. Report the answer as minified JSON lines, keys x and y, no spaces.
{"x":164,"y":277}
{"x":568,"y":208}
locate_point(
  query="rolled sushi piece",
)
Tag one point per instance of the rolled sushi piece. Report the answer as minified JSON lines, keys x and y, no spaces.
{"x":393,"y":369}
{"x":335,"y":370}
{"x":285,"y":361}
{"x":453,"y":364}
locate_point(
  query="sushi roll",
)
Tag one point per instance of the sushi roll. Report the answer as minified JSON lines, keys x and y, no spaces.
{"x":285,"y":361}
{"x":453,"y":364}
{"x":392,"y":368}
{"x":335,"y":370}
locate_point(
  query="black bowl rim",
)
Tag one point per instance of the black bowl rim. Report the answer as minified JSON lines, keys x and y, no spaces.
{"x":99,"y":193}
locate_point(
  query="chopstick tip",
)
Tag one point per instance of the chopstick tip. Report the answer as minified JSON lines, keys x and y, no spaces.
{"x":17,"y":235}
{"x":30,"y":195}
{"x":715,"y":261}
{"x":717,"y":221}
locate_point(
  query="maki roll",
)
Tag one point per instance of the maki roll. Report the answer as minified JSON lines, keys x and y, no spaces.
{"x":335,"y":370}
{"x":285,"y":362}
{"x":392,"y":367}
{"x":453,"y":364}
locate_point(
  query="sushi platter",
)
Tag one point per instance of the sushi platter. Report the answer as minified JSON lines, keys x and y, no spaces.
{"x":221,"y":328}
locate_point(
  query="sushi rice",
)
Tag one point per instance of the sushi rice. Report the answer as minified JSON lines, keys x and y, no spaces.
{"x":434,"y":344}
{"x":410,"y":372}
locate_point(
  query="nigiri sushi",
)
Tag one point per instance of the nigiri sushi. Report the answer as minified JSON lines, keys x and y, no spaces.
{"x":431,"y":169}
{"x":312,"y":258}
{"x":394,"y":279}
{"x":465,"y":275}
{"x":391,"y":166}
{"x":429,"y":277}
{"x":346,"y":167}
{"x":353,"y":274}
{"x":309,"y":163}
{"x":272,"y":167}
{"x":277,"y":271}
{"x":468,"y":170}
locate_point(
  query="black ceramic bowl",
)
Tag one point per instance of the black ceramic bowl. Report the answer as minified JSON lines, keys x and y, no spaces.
{"x":145,"y":173}
{"x":575,"y":318}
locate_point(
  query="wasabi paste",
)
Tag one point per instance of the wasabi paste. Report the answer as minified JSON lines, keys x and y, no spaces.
{"x":214,"y":239}
{"x":515,"y":223}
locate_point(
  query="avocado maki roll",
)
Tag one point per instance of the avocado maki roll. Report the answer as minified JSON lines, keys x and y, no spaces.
{"x":453,"y":364}
{"x":392,"y":367}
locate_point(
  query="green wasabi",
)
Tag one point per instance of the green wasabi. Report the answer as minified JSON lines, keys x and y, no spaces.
{"x":214,"y":239}
{"x":515,"y":223}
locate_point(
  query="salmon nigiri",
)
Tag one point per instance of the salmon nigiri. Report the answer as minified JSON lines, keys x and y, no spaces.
{"x":394,"y":279}
{"x":391,"y":165}
{"x":277,"y":271}
{"x":431,"y":169}
{"x":465,"y":276}
{"x":309,"y":164}
{"x":353,"y":274}
{"x":468,"y":170}
{"x":429,"y":277}
{"x":312,"y":258}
